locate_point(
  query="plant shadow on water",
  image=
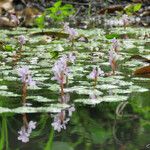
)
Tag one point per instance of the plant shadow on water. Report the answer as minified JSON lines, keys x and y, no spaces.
{"x":85,"y":110}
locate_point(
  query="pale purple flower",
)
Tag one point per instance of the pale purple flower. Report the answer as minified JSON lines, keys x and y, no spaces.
{"x":112,"y":60}
{"x":96,"y":72}
{"x":25,"y":75}
{"x":31,"y":126}
{"x":57,"y":125}
{"x":23,"y":135}
{"x":71,"y":31}
{"x":61,"y":70}
{"x":60,"y":121}
{"x":115,"y":45}
{"x":71,"y":110}
{"x":25,"y":132}
{"x":22,"y":39}
{"x":72,"y":34}
{"x":112,"y":56}
{"x":30,"y":81}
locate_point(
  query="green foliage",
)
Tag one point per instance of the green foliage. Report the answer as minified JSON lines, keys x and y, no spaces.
{"x":111,"y":36}
{"x":132,"y":8}
{"x":59,"y":12}
{"x":40,"y":21}
{"x":8,"y":48}
{"x":54,"y":54}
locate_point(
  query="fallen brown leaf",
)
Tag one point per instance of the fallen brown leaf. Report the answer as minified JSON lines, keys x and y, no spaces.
{"x":143,"y":72}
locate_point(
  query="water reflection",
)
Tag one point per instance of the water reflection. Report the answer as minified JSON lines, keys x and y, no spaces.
{"x":26,"y":129}
{"x":61,"y":119}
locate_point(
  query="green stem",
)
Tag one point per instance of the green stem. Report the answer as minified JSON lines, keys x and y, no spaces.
{"x":6,"y":133}
{"x":50,"y":141}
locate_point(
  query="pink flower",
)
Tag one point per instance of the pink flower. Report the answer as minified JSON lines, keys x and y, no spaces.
{"x":71,"y":31}
{"x":31,"y":126}
{"x":25,"y":75}
{"x":61,"y":70}
{"x":21,"y":39}
{"x":115,"y":44}
{"x":112,"y":59}
{"x":60,"y":121}
{"x":25,"y":132}
{"x":96,"y":72}
{"x":23,"y":135}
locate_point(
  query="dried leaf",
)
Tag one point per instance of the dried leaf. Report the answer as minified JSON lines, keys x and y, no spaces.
{"x":144,"y":72}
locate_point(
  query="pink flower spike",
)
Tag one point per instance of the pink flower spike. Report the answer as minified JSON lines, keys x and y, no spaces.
{"x":24,"y":136}
{"x":60,"y":121}
{"x":71,"y":31}
{"x":112,"y":59}
{"x":95,"y":73}
{"x":31,"y":126}
{"x":24,"y":73}
{"x":114,"y":40}
{"x":115,"y":44}
{"x":61,"y":70}
{"x":22,"y":39}
{"x":25,"y":132}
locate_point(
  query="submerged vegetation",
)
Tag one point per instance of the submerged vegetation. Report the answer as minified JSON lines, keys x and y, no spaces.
{"x":75,"y":86}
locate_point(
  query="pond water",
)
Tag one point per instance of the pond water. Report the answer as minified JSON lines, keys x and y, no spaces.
{"x":113,"y":115}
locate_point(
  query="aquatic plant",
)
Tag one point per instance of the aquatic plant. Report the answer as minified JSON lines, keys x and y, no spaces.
{"x":61,"y":70}
{"x":25,"y":131}
{"x":125,"y":20}
{"x":59,"y":12}
{"x":26,"y":79}
{"x":60,"y":120}
{"x":71,"y":31}
{"x":115,"y":45}
{"x":40,"y":21}
{"x":96,"y":72}
{"x":112,"y":60}
{"x":21,"y":40}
